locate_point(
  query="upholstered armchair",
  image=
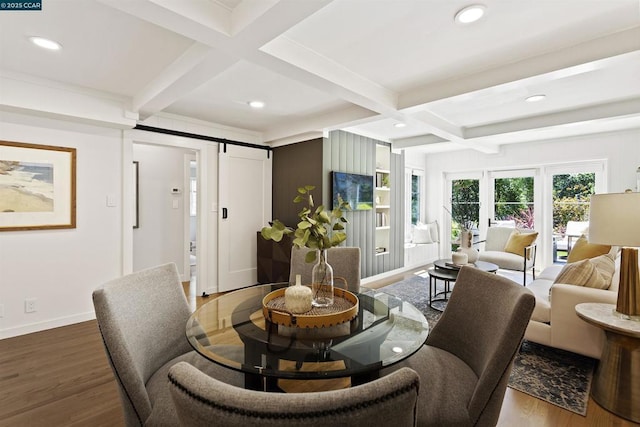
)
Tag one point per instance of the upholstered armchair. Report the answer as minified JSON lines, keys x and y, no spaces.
{"x":142,"y":318}
{"x":511,"y":249}
{"x":466,"y":362}
{"x":203,"y":401}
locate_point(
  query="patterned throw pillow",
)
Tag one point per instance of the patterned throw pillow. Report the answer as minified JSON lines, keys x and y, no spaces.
{"x":592,"y":273}
{"x":583,"y":250}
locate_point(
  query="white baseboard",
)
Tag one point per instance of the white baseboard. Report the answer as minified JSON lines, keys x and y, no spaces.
{"x":48,"y":324}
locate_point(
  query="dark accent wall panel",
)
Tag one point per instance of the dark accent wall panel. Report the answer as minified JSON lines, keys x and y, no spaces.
{"x":296,"y":165}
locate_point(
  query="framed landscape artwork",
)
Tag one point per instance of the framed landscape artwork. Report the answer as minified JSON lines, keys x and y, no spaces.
{"x":37,"y":187}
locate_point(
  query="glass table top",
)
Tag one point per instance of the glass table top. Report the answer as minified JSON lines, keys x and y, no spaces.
{"x":231,"y":330}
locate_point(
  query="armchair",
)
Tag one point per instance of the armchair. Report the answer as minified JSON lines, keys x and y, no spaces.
{"x":511,"y":248}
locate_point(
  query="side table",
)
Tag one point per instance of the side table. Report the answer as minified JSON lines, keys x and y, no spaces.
{"x":616,"y":383}
{"x":447,"y":276}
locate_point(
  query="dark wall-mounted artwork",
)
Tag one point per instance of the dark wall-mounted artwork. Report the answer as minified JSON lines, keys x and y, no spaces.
{"x":136,"y":211}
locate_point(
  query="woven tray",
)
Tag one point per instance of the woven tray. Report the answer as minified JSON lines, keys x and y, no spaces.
{"x":344,"y":309}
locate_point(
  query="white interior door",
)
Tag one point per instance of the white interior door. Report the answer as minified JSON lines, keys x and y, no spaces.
{"x":244,"y":208}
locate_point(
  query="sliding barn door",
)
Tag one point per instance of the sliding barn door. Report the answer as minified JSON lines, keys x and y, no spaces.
{"x":244,"y":208}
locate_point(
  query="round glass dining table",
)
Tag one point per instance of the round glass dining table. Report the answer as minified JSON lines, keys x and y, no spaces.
{"x":231,"y":330}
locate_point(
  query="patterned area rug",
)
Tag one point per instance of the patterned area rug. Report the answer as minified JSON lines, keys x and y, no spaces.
{"x":555,"y":376}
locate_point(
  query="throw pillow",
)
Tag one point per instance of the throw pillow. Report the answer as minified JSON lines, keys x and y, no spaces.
{"x":433,"y":229}
{"x":421,"y":234}
{"x":606,"y":266}
{"x":591,"y":272}
{"x":583,"y":250}
{"x":518,"y":241}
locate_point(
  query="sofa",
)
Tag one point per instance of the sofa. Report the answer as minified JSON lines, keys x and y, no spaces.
{"x":510,"y":248}
{"x":554,"y":321}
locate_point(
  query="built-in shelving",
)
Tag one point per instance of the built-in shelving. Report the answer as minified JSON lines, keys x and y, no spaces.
{"x":383,"y":198}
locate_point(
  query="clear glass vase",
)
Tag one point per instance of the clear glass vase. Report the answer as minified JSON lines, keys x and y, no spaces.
{"x":322,"y":281}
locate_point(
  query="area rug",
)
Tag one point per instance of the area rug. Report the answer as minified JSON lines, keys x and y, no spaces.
{"x":559,"y":377}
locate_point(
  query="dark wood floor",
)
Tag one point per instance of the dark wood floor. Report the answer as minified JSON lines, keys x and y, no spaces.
{"x":60,"y":377}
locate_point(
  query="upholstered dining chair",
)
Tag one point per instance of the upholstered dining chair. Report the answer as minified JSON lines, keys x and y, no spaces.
{"x":203,"y":401}
{"x":344,"y":260}
{"x":142,"y":318}
{"x":466,"y":361}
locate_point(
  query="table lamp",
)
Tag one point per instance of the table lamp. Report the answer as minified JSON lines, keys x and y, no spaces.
{"x":614,"y":219}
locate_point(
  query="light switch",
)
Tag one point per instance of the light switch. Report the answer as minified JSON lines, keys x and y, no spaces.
{"x":112,"y":201}
{"x":176,"y":204}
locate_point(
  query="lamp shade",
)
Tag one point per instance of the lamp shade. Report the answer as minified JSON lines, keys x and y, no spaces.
{"x":614,"y":219}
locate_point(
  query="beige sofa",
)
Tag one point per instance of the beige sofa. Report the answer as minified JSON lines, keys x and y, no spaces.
{"x":554,"y":321}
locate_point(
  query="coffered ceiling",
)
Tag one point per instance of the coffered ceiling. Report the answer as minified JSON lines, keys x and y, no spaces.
{"x":360,"y":65}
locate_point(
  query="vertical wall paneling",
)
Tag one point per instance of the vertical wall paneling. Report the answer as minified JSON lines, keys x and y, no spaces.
{"x":346,"y":152}
{"x":397,"y":210}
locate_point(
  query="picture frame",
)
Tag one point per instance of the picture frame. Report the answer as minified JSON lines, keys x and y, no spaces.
{"x":37,"y":187}
{"x":136,"y":211}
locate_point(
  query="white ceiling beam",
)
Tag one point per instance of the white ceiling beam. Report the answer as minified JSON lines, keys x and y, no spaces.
{"x":192,"y":69}
{"x":629,"y":107}
{"x":368,"y":94}
{"x":317,"y":122}
{"x":253,"y":23}
{"x":612,"y":45}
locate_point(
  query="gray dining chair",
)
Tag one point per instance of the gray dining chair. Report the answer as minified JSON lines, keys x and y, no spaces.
{"x":466,"y":361}
{"x":203,"y":401}
{"x":142,"y":319}
{"x":344,"y":260}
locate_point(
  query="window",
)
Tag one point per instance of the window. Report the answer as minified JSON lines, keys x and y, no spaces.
{"x":414,"y":196}
{"x":465,"y":205}
{"x":416,"y":181}
{"x":513,"y":201}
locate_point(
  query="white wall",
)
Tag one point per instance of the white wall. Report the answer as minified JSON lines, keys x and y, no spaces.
{"x":160,"y":237}
{"x":60,"y":268}
{"x":620,"y":150}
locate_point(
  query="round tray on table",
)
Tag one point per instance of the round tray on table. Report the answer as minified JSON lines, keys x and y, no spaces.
{"x":344,"y":309}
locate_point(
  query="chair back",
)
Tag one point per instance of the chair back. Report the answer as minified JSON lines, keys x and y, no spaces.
{"x":577,"y":228}
{"x":345,"y":262}
{"x":142,"y":318}
{"x":483,"y":325}
{"x":497,"y":238}
{"x":201,"y":400}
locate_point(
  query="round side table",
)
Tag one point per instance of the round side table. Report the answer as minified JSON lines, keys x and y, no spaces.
{"x":616,"y":382}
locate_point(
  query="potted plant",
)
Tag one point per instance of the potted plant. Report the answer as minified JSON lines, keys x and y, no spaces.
{"x":318,"y":229}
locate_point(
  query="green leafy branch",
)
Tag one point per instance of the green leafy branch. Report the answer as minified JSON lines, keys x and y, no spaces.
{"x":318,"y":228}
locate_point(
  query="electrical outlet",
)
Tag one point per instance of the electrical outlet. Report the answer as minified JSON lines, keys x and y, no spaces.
{"x":30,"y":305}
{"x":1,"y":310}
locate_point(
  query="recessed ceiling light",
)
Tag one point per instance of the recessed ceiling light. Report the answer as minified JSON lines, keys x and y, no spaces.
{"x":470,"y":14}
{"x":45,"y":43}
{"x":256,"y":104}
{"x":535,"y":98}
{"x":399,"y":125}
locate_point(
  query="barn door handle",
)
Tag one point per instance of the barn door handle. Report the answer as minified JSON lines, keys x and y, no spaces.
{"x":225,"y":214}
